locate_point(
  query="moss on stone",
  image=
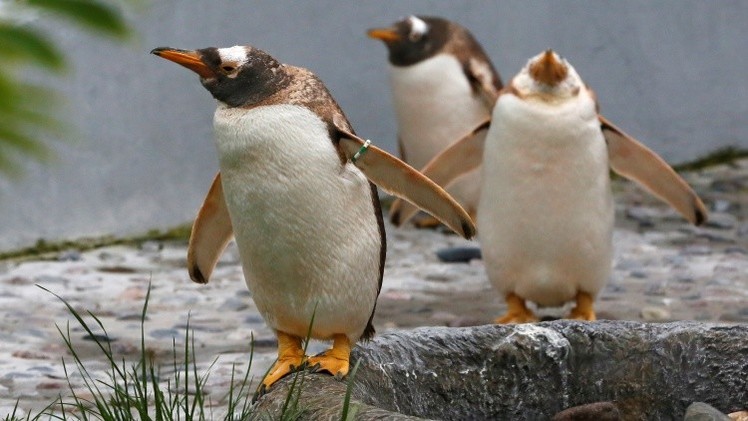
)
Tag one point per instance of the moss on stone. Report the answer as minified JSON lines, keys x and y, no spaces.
{"x":48,"y":250}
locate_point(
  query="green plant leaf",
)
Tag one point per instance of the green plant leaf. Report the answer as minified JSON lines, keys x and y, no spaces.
{"x":91,"y":14}
{"x":26,"y":45}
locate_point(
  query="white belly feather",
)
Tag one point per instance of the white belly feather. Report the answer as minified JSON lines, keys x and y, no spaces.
{"x":435,"y":107}
{"x":545,"y":217}
{"x":306,"y":230}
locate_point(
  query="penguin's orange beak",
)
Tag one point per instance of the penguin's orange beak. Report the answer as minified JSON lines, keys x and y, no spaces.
{"x":548,"y":70}
{"x":384,"y":34}
{"x":188,"y":59}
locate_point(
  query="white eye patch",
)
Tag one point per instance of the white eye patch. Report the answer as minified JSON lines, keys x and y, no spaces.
{"x":418,"y":28}
{"x":236,"y":55}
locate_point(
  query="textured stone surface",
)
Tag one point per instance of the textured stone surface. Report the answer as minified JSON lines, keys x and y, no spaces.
{"x":531,"y":372}
{"x":664,"y":264}
{"x":700,"y":411}
{"x":598,"y":411}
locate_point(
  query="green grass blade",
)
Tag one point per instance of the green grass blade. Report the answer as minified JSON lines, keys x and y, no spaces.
{"x":348,"y":414}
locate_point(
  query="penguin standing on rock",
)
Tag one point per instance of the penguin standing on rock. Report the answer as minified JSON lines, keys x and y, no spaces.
{"x":294,"y":190}
{"x":545,"y":218}
{"x":443,"y":85}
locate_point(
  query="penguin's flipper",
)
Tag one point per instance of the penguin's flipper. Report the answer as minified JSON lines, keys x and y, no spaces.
{"x":460,"y":157}
{"x":483,"y":80}
{"x":400,"y":179}
{"x":211,"y":232}
{"x":636,"y":162}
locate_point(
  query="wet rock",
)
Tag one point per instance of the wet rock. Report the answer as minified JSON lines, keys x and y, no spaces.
{"x":700,"y":411}
{"x":530,"y":372}
{"x":598,"y":411}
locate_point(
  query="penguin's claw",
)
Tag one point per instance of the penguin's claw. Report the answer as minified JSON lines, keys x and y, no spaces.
{"x":514,"y":318}
{"x":290,"y":358}
{"x":517,"y":311}
{"x":334,"y":360}
{"x":584,"y":309}
{"x":282,"y":368}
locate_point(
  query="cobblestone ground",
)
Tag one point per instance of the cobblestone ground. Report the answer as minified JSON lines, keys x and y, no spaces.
{"x":664,"y":270}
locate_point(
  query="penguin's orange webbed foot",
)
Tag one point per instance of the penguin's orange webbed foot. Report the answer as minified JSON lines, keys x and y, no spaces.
{"x":517,"y":311}
{"x":334,"y":360}
{"x":426,"y":222}
{"x":584,"y":309}
{"x":290,"y":358}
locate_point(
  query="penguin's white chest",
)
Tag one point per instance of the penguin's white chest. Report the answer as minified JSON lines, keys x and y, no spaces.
{"x":435,"y":106}
{"x":545,"y":217}
{"x":305,"y":225}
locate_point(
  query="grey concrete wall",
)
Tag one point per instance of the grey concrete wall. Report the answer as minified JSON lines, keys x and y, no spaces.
{"x":672,"y":73}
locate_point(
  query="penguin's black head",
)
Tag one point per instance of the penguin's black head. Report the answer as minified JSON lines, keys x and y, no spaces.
{"x":236,"y":76}
{"x":413,"y":39}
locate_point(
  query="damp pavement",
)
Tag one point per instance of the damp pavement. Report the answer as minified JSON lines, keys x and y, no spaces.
{"x":664,"y":270}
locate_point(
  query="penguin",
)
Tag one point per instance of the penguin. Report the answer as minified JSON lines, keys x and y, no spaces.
{"x":443,"y":84}
{"x":296,"y":189}
{"x":545,"y":217}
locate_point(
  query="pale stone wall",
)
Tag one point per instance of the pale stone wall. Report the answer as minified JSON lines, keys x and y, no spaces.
{"x":671,"y":73}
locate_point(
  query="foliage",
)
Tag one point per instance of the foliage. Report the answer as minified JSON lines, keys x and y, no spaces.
{"x":140,"y":390}
{"x":26,"y":108}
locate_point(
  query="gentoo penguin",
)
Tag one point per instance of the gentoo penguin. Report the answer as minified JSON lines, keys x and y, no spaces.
{"x":545,"y":218}
{"x":294,"y":189}
{"x":443,"y":84}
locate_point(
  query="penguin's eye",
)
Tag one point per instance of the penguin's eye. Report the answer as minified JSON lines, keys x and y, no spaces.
{"x":228,"y":69}
{"x":415,"y":36}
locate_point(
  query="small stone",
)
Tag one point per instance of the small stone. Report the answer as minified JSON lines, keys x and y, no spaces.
{"x":31,"y":355}
{"x":165,"y":333}
{"x":465,"y":321}
{"x":598,"y":411}
{"x":151,"y":246}
{"x":738,"y":416}
{"x":69,"y":256}
{"x":655,"y":314}
{"x":19,"y":280}
{"x":721,"y":220}
{"x":51,"y":279}
{"x":254,"y":319}
{"x":734,"y":317}
{"x":721,"y":205}
{"x":639,"y":274}
{"x":655,"y":290}
{"x":459,"y":254}
{"x":98,"y":337}
{"x":696,"y":250}
{"x":700,"y":411}
{"x":642,"y":214}
{"x":715,"y":236}
{"x":265,"y":343}
{"x":235,"y":304}
{"x":439,"y":277}
{"x":443,"y":316}
{"x":736,"y":250}
{"x":726,"y":186}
